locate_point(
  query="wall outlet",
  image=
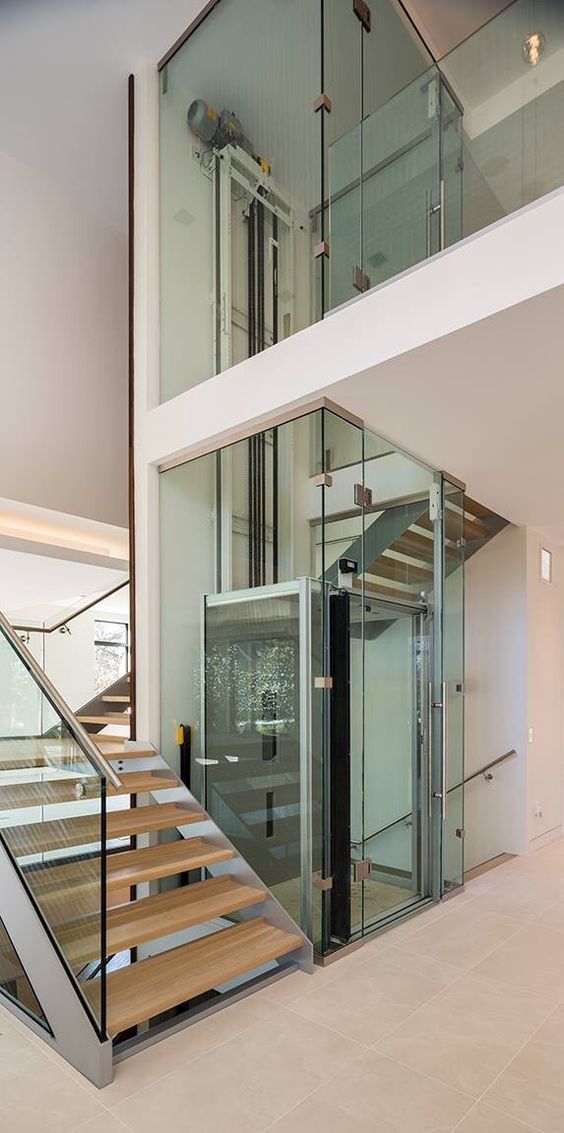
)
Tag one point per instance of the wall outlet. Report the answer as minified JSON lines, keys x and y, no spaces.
{"x":538,"y":810}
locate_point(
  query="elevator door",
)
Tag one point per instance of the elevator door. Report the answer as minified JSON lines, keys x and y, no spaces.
{"x":389,"y":665}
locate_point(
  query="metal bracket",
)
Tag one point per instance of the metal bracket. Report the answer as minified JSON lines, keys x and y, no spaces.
{"x":460,"y":833}
{"x":324,"y":480}
{"x":321,"y":250}
{"x":323,"y":682}
{"x":363,"y":13}
{"x":361,"y":281}
{"x":323,"y":883}
{"x":323,"y":102}
{"x":362,"y":496}
{"x":362,"y":870}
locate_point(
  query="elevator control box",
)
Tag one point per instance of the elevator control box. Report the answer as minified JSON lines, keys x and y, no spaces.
{"x":348,"y":571}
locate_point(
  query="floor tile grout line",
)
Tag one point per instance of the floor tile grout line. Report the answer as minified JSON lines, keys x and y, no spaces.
{"x":481,"y":1099}
{"x":188,"y":1062}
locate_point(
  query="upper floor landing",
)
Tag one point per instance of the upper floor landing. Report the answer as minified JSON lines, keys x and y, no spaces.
{"x":305,"y":154}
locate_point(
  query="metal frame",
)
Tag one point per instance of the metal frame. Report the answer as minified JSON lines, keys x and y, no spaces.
{"x":75,"y":1035}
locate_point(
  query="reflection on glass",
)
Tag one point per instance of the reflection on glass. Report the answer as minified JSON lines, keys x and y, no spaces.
{"x":52,"y":805}
{"x":299,"y":648}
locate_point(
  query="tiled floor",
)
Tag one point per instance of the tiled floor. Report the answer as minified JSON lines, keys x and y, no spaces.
{"x":453,"y":1021}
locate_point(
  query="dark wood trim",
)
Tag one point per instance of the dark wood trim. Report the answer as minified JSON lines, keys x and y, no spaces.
{"x":131,"y":379}
{"x":186,"y":34}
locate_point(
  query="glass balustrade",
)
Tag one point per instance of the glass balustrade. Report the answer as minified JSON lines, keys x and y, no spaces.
{"x":83,"y":648}
{"x":327,"y":152}
{"x":52,"y":828}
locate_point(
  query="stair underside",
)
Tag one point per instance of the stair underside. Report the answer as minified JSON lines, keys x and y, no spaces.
{"x":107,"y":718}
{"x":152,"y":918}
{"x":152,"y":986}
{"x":59,"y":834}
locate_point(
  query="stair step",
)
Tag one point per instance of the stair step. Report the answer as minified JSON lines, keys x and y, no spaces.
{"x":387,"y":566}
{"x":151,"y":862}
{"x":112,"y":699}
{"x":151,"y":986}
{"x":152,"y":918}
{"x":54,"y":791}
{"x":107,"y":718}
{"x":76,"y":882}
{"x":109,"y":738}
{"x":64,"y":833}
{"x":121,"y":748}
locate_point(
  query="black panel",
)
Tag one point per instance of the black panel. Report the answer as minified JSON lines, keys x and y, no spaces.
{"x":340,"y":759}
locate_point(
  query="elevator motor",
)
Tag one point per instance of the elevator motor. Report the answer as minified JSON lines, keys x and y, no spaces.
{"x":216,"y":129}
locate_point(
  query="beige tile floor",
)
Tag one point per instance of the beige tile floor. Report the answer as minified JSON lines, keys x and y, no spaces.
{"x":452,"y":1021}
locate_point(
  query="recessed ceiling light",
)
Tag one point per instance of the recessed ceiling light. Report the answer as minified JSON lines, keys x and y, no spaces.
{"x":533,"y":48}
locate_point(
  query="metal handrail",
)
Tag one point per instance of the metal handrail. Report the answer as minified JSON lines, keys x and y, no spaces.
{"x":455,"y":787}
{"x":53,"y":695}
{"x":76,"y":614}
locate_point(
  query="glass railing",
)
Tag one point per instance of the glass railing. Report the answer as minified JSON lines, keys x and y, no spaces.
{"x":53,"y":820}
{"x":471,"y":140}
{"x":327,"y":152}
{"x":84,"y":649}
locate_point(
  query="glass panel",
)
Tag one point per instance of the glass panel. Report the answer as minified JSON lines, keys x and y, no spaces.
{"x":399,"y":604}
{"x":52,"y":818}
{"x":395,"y":820}
{"x":252,"y":511}
{"x":258,"y":743}
{"x":85,"y":654}
{"x":13,"y":980}
{"x":508,"y":79}
{"x":453,"y":685}
{"x":240,"y":186}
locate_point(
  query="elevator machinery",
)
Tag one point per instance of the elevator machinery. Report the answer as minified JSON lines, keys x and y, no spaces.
{"x":253,"y":238}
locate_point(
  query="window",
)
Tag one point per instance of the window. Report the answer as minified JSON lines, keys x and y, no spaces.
{"x":111,"y":652}
{"x":546,"y":565}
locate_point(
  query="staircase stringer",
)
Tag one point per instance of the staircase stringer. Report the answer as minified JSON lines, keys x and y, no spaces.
{"x":73,"y":1031}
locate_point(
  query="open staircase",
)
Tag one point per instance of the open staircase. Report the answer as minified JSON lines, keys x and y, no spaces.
{"x":151,"y":915}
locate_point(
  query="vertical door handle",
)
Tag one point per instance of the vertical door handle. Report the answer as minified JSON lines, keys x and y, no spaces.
{"x":444,"y":751}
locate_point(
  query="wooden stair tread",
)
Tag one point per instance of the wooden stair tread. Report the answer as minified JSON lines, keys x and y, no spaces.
{"x":151,"y":862}
{"x":386,"y":566}
{"x":107,"y":718}
{"x":151,"y":986}
{"x":58,"y":834}
{"x":122,"y":748}
{"x":53,"y":791}
{"x":126,"y":699}
{"x":152,"y":918}
{"x":124,"y":869}
{"x":109,"y":737}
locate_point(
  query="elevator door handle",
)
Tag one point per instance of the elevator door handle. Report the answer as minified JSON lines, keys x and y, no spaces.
{"x":444,"y":751}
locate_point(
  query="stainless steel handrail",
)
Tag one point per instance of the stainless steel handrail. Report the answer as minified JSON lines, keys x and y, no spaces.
{"x":455,"y":787}
{"x":75,"y":613}
{"x":80,"y":734}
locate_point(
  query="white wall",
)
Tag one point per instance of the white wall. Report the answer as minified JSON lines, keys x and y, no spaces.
{"x":496,"y":696}
{"x":545,"y":606}
{"x":63,"y":351}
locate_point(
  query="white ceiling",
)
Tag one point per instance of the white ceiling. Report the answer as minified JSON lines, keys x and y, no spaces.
{"x":63,"y":73}
{"x":486,"y":403}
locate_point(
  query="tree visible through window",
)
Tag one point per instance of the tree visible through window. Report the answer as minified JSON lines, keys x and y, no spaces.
{"x":111,"y":647}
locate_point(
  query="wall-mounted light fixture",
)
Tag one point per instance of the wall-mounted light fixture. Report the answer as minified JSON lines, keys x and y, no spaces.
{"x":533,"y":48}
